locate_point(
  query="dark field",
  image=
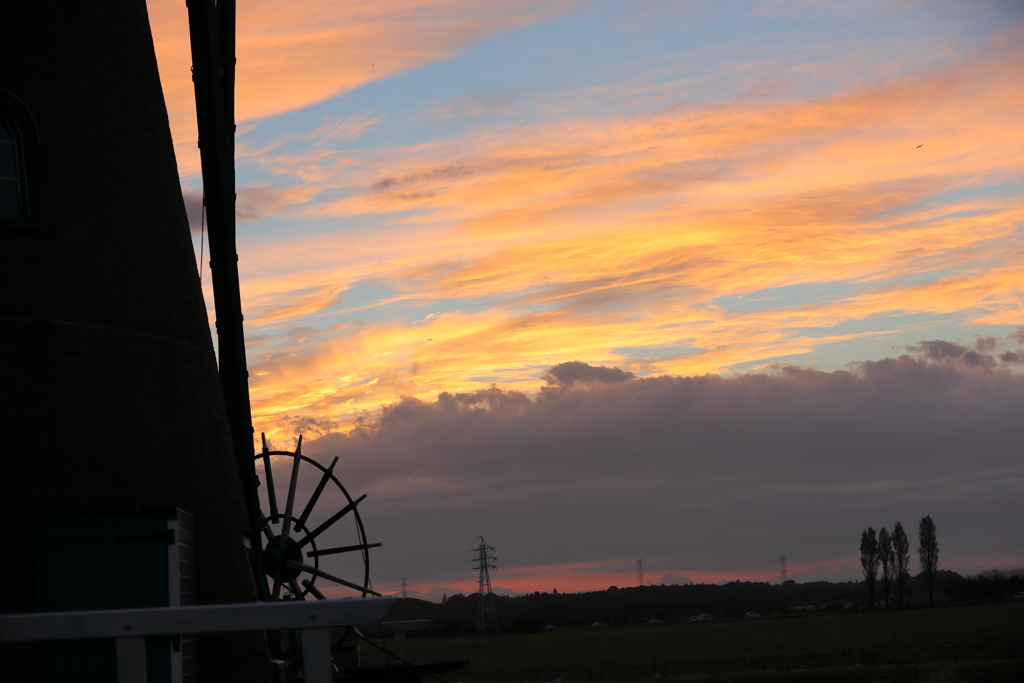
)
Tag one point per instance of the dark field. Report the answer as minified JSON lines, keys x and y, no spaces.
{"x":961,"y":643}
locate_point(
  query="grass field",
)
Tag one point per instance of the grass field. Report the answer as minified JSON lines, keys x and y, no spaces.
{"x":942,"y":644}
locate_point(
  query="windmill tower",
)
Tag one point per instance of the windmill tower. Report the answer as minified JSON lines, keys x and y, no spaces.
{"x":121,"y":466}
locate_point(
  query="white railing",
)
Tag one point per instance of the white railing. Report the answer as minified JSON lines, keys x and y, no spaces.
{"x":129,"y":627}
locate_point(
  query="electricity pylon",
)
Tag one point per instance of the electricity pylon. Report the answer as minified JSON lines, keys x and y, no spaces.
{"x":487,"y":621}
{"x":640,"y":573}
{"x":405,"y":589}
{"x":783,"y":569}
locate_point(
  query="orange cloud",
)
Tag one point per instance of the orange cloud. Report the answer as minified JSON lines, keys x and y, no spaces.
{"x":659,"y":231}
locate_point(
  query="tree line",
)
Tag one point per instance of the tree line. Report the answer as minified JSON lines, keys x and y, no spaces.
{"x":890,"y":553}
{"x":638,"y":605}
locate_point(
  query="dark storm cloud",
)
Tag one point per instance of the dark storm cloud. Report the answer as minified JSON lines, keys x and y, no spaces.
{"x":256,"y":201}
{"x":308,"y":425}
{"x":193,"y":208}
{"x":939,"y":350}
{"x":575,"y":372}
{"x":706,"y":472}
{"x":491,"y":398}
{"x":252,"y":203}
{"x":448,"y":173}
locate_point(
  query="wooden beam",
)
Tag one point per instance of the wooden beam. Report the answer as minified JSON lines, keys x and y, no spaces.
{"x":163,"y":621}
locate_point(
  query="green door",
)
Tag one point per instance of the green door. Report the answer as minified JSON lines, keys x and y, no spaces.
{"x":110,"y":562}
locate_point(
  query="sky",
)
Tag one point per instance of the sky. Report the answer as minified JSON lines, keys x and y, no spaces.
{"x":703,"y":283}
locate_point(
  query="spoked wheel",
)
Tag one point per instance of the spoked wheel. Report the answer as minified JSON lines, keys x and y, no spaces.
{"x":291,"y":557}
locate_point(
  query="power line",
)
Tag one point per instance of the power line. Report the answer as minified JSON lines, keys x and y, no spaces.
{"x":420,"y":563}
{"x":429,"y":575}
{"x":443,"y":552}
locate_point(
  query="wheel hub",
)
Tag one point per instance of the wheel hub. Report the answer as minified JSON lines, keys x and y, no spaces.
{"x":274,"y":559}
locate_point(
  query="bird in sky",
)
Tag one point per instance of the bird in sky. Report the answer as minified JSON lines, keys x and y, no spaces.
{"x":919,"y":146}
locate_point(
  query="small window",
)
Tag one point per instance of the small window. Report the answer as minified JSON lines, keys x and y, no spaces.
{"x":12,"y":175}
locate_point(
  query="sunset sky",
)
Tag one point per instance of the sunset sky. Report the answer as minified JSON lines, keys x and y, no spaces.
{"x":818,"y":202}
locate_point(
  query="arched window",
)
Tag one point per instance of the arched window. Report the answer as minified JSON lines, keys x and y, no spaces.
{"x":21,"y":186}
{"x":13,"y":204}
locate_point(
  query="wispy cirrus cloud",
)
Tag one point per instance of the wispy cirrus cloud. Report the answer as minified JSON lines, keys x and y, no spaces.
{"x":342,"y":128}
{"x":547,"y":174}
{"x":293,"y":55}
{"x":472,"y":103}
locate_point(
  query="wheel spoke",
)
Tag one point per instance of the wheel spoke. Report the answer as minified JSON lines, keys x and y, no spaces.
{"x":280,"y":543}
{"x":313,"y":589}
{"x":291,"y":496}
{"x":277,"y":587}
{"x":316,"y":494}
{"x":266,"y":529}
{"x":269,"y":474}
{"x":323,"y":527}
{"x":321,"y":573}
{"x":342,"y":549}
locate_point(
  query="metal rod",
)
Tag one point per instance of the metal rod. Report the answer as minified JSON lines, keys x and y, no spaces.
{"x":313,"y":589}
{"x":268,"y":473}
{"x":323,"y":527}
{"x":267,"y":531}
{"x":342,"y":549}
{"x":291,"y":496}
{"x":316,"y":494}
{"x":330,"y":577}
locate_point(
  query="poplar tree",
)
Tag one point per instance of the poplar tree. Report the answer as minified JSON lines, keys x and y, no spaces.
{"x":928,"y":552}
{"x":887,"y":557}
{"x":869,"y":560}
{"x":901,"y":555}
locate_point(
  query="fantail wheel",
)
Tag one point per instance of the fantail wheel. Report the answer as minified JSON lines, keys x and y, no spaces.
{"x":291,"y":557}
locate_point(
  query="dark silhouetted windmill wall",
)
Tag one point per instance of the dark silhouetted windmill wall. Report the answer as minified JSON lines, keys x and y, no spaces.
{"x":110,"y":396}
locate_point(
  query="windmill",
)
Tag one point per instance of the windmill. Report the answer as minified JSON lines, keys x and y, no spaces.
{"x":133,"y":477}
